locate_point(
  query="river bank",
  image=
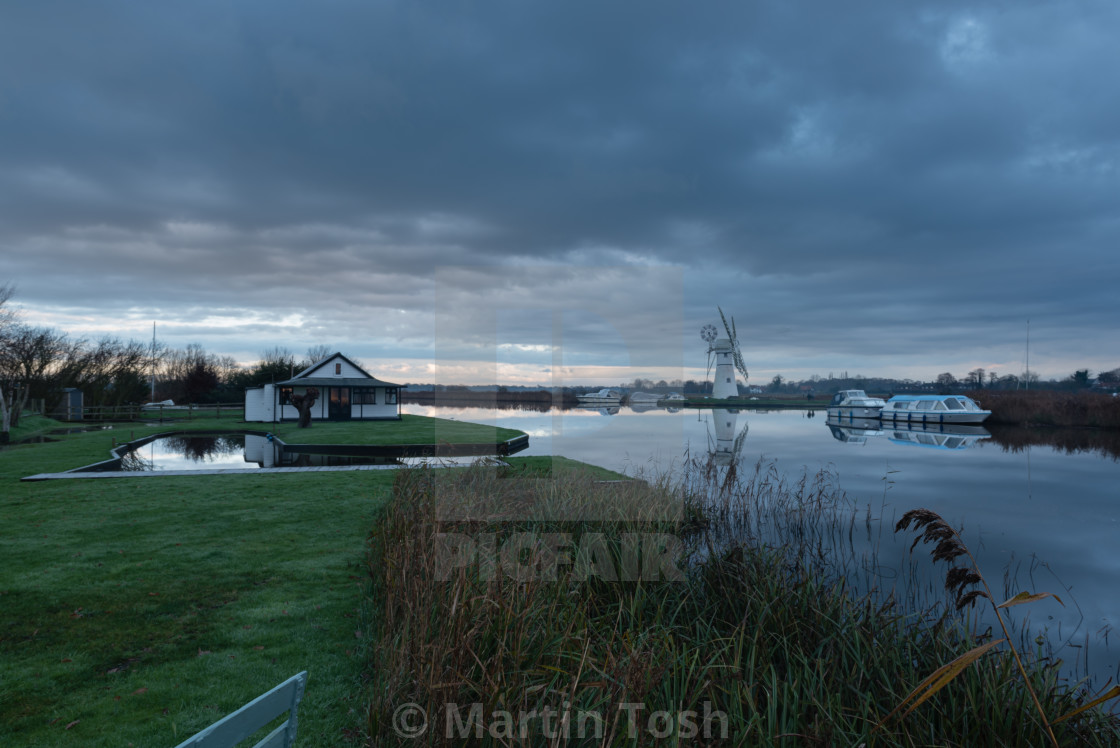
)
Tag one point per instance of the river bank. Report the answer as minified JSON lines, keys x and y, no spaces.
{"x":588,"y":625}
{"x":1049,"y":408}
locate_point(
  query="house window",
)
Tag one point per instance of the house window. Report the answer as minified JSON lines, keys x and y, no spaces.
{"x":390,"y":395}
{"x":285,"y":395}
{"x":364,"y":396}
{"x":338,"y":368}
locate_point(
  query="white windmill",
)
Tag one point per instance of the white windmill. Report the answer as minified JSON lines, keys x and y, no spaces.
{"x":728,"y":359}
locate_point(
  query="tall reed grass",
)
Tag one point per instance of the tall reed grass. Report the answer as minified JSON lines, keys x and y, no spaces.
{"x":753,"y":641}
{"x":1050,"y":408}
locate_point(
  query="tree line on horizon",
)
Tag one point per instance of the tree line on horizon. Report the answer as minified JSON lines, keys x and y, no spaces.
{"x":38,"y":364}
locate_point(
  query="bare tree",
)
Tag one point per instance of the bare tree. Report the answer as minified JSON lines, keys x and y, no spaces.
{"x":317,"y":353}
{"x":303,"y":404}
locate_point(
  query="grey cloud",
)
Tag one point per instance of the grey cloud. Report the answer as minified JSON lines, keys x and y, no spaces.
{"x":797,"y":156}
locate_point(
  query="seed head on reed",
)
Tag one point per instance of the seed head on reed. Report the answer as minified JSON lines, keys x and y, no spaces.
{"x":949,"y":547}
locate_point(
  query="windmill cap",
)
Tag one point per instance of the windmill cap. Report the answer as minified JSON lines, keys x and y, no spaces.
{"x":722,"y":343}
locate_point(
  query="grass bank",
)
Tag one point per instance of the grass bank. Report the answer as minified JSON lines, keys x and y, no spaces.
{"x":536,"y":599}
{"x":409,"y":430}
{"x":1049,"y":408}
{"x":136,"y":612}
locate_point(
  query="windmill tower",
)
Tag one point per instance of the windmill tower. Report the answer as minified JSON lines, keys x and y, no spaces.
{"x":728,"y":359}
{"x":724,"y":385}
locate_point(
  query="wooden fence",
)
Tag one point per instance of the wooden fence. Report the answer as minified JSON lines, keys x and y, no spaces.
{"x":157,"y":412}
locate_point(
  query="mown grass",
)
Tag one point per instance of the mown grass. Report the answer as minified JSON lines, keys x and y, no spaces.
{"x":753,"y":628}
{"x":410,"y":429}
{"x":138,"y":611}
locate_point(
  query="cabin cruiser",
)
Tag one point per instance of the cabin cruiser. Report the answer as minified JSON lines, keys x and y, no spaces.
{"x":854,"y":404}
{"x":602,"y":397}
{"x":933,"y":409}
{"x":643,"y":398}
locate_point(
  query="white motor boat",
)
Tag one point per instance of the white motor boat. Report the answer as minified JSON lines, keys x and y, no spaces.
{"x":604,"y":396}
{"x":933,"y":409}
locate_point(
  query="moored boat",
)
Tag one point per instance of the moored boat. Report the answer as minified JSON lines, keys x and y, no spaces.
{"x":604,"y":396}
{"x":854,"y":404}
{"x":933,"y":409}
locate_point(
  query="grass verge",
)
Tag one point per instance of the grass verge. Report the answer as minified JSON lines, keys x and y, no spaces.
{"x":138,"y":611}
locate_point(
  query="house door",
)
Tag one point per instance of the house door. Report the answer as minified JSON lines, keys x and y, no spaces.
{"x":338,"y":404}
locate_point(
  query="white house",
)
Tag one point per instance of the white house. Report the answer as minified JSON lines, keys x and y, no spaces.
{"x":346,"y":392}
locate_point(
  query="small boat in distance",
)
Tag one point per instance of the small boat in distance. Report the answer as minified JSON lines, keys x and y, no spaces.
{"x":602,"y":397}
{"x":934,"y":409}
{"x":854,"y":404}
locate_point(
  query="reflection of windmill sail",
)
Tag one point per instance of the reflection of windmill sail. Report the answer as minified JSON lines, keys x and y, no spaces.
{"x":727,"y":445}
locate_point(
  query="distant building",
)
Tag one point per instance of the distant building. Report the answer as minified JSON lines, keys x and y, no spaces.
{"x":70,"y":407}
{"x":346,"y":392}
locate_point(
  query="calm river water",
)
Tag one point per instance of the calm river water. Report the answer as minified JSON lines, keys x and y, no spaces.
{"x":1047,"y":517}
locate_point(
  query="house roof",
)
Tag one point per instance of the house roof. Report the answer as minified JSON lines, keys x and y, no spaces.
{"x":337,"y":382}
{"x":305,"y":378}
{"x":323,"y":362}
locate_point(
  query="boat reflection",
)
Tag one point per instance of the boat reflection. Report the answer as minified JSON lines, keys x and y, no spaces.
{"x":930,"y":435}
{"x":603,"y":411}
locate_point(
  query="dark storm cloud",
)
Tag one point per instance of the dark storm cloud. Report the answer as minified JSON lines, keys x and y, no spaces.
{"x":857,"y":176}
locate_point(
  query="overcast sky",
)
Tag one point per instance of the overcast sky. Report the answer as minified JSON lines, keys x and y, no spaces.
{"x":497,"y":187}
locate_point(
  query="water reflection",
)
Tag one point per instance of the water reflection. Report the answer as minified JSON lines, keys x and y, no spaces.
{"x":1039,"y":506}
{"x":1102,"y":442}
{"x":930,"y":436}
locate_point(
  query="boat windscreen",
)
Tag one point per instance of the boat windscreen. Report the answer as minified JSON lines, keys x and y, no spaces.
{"x":953,"y":403}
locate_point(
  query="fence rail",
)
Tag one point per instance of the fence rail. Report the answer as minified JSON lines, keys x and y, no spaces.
{"x":151,"y":412}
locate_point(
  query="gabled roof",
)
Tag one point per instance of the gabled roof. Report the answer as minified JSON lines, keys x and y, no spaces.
{"x":338,"y":382}
{"x":319,"y":364}
{"x":307,"y":378}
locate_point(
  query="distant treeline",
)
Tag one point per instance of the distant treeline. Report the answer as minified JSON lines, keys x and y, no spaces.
{"x":1050,"y":408}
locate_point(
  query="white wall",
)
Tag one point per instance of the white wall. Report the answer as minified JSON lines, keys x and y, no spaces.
{"x":259,"y":403}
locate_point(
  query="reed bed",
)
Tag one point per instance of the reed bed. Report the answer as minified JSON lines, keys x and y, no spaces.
{"x":748,"y":637}
{"x":1050,"y":408}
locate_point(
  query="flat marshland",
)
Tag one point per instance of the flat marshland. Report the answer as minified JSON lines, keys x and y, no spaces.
{"x":141,"y":610}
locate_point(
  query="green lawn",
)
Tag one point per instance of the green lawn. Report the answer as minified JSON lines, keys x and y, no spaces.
{"x":138,"y":611}
{"x":409,"y":430}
